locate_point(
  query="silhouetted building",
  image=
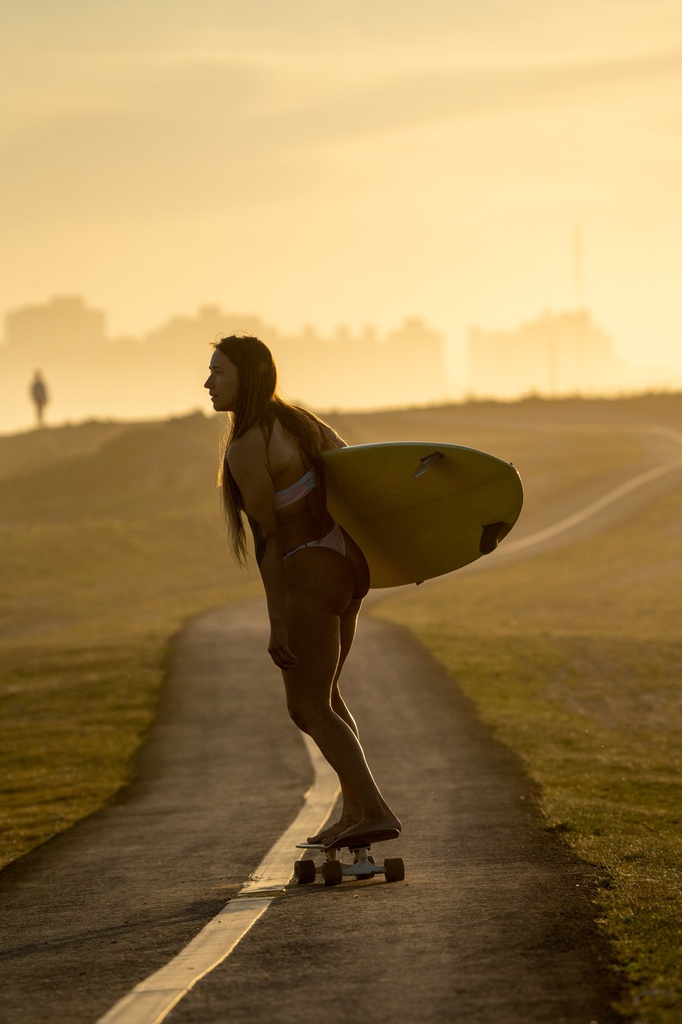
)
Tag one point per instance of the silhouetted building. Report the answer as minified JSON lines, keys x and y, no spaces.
{"x":64,"y":325}
{"x":557,"y":354}
{"x":67,"y":339}
{"x":163,"y":371}
{"x":355,"y":371}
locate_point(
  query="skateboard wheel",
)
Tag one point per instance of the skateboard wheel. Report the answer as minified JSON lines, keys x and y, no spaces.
{"x":304,"y":871}
{"x":332,"y":872}
{"x":395,"y":869}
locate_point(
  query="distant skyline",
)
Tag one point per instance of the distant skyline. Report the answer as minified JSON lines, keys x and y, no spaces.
{"x":336,"y":162}
{"x":91,"y":373}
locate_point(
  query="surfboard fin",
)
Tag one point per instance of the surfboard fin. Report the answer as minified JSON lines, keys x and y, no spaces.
{"x":491,"y":535}
{"x":426,"y":463}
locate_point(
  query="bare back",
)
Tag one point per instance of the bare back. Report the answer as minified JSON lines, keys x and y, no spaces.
{"x":301,"y":521}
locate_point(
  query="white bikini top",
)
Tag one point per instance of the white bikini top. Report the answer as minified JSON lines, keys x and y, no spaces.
{"x":297,"y":491}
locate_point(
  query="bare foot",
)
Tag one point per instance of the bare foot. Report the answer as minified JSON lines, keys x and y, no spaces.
{"x":367,"y":826}
{"x":330,"y":833}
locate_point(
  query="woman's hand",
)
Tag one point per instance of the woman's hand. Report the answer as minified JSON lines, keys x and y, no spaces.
{"x":279,"y":650}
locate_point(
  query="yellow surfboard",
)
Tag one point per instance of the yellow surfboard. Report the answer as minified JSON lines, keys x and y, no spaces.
{"x":420,"y":510}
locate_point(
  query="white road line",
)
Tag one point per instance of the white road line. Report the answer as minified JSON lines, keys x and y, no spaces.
{"x":596,"y":506}
{"x":152,"y":999}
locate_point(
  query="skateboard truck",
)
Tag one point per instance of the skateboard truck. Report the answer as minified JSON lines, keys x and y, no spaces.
{"x":333,"y":871}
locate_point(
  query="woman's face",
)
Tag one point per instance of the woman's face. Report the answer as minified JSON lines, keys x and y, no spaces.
{"x":222,"y":382}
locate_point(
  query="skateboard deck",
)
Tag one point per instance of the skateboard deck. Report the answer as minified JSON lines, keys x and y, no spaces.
{"x":332,"y":869}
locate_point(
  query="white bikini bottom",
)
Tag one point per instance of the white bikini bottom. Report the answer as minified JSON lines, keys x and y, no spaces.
{"x":334,"y":540}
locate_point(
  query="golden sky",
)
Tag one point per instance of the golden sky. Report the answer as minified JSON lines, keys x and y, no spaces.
{"x":347,"y":161}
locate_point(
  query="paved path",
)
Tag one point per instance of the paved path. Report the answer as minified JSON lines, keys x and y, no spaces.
{"x":493,"y":923}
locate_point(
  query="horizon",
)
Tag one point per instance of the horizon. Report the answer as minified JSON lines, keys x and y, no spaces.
{"x":90,"y":374}
{"x":464,"y":402}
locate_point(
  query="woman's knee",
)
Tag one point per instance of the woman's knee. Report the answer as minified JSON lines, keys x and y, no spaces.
{"x":304,"y":714}
{"x":299,"y":719}
{"x":297,"y":713}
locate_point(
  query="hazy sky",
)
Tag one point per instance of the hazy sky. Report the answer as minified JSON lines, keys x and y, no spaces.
{"x":347,"y":161}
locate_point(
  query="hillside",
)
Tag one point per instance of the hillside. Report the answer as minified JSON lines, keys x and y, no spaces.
{"x":112,"y":537}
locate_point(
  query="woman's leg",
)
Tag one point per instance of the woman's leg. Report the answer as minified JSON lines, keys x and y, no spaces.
{"x":347,"y":626}
{"x":319,"y":594}
{"x":351,"y":810}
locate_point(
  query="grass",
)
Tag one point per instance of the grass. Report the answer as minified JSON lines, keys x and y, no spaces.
{"x":573,"y":658}
{"x":74,"y":717}
{"x":111,"y":539}
{"x":107,"y":549}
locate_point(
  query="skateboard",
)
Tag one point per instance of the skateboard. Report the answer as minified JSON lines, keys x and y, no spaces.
{"x":333,"y":871}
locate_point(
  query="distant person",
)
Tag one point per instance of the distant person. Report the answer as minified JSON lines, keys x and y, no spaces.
{"x":39,"y":395}
{"x":314,"y":574}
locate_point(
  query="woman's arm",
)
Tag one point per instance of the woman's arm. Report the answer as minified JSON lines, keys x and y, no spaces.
{"x":247,"y":459}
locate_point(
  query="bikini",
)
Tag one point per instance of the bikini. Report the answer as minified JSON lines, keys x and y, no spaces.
{"x":296,"y":492}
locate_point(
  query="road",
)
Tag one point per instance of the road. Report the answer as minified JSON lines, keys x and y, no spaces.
{"x":494,"y":922}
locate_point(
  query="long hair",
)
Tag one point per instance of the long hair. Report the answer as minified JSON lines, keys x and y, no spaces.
{"x":259,"y":404}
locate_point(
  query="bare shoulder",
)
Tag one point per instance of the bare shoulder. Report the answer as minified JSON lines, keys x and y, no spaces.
{"x":330,"y":439}
{"x":248,"y":451}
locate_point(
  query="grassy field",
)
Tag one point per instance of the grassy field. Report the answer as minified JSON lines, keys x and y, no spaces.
{"x":574,"y":658}
{"x":111,"y":538}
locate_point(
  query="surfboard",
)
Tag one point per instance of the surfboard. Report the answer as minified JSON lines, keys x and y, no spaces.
{"x":421,"y":510}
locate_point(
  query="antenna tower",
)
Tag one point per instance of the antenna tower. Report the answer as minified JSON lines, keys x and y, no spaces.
{"x":578,"y":272}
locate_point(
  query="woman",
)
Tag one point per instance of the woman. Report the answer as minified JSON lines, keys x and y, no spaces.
{"x":314,"y":575}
